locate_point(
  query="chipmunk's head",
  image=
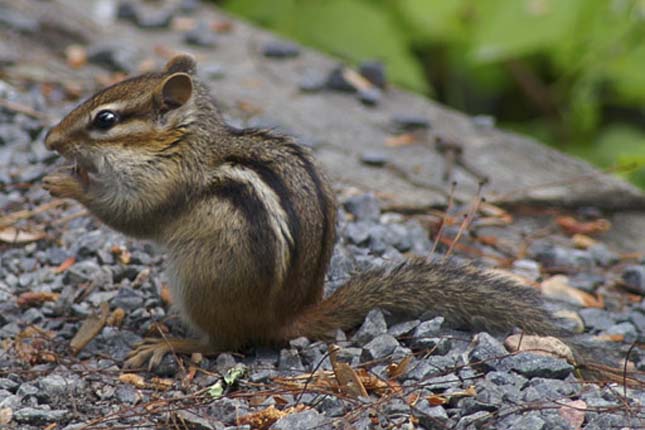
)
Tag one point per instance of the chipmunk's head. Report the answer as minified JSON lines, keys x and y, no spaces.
{"x":127,"y":124}
{"x":126,"y":145}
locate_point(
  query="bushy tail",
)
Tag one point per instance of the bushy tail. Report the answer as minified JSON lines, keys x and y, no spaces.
{"x":466,"y":296}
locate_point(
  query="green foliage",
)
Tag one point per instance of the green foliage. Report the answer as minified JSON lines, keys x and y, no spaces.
{"x":618,"y":145}
{"x":504,"y":30}
{"x":578,"y":66}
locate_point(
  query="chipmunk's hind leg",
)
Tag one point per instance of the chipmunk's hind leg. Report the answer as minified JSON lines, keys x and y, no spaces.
{"x":153,"y":350}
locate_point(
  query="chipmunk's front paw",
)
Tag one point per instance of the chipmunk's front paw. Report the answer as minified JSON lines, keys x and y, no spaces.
{"x":60,"y":184}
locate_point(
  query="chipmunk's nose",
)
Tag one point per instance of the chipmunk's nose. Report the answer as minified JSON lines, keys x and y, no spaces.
{"x":53,"y":139}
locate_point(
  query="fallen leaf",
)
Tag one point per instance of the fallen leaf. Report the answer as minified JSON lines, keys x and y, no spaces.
{"x":161,"y":384}
{"x":488,"y":209}
{"x":257,"y":400}
{"x":471,"y":391}
{"x":141,"y":278}
{"x":188,"y":378}
{"x":610,"y":337}
{"x":122,"y":254}
{"x":13,"y":235}
{"x":156,"y":406}
{"x":542,"y":345}
{"x":377,"y":385}
{"x":264,"y":419}
{"x":165,"y":295}
{"x":572,"y":226}
{"x":222,"y":26}
{"x":116,"y":317}
{"x":147,"y":65}
{"x":36,"y":298}
{"x":436,"y":400}
{"x":348,"y":380}
{"x":76,"y":56}
{"x":582,"y":241}
{"x":216,"y":390}
{"x":356,"y":79}
{"x":413,"y":398}
{"x":31,"y":345}
{"x":73,"y":91}
{"x":400,"y":140}
{"x":6,"y":414}
{"x":69,"y":262}
{"x":573,"y":412}
{"x":163,"y":50}
{"x":183,"y":23}
{"x":558,"y":287}
{"x":133,"y":379}
{"x":488,"y":240}
{"x":249,"y":108}
{"x":91,"y":327}
{"x":395,"y":370}
{"x":489,"y":221}
{"x":106,"y":79}
{"x":234,"y":373}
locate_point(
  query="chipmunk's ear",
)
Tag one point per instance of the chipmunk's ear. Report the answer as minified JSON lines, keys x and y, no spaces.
{"x":175,"y":91}
{"x":184,"y":63}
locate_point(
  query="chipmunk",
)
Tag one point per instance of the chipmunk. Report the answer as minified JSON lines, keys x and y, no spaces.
{"x":248,"y":221}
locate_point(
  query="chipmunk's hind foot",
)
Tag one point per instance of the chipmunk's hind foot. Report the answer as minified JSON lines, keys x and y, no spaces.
{"x":153,"y":350}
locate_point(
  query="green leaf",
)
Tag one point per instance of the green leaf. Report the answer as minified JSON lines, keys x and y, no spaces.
{"x":234,"y":373}
{"x":216,"y":390}
{"x":627,"y":75}
{"x":617,"y":146}
{"x":511,"y":29}
{"x":435,"y":20}
{"x":614,"y":145}
{"x":584,"y":109}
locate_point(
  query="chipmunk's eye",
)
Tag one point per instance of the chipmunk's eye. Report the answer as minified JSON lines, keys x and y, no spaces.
{"x":105,"y":119}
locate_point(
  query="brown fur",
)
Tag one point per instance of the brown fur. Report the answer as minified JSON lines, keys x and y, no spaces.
{"x":230,"y":205}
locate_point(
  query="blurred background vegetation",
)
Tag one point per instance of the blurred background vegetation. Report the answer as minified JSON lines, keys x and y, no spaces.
{"x":569,"y":72}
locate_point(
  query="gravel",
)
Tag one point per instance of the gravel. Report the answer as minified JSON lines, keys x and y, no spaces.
{"x":409,"y":122}
{"x":280,"y":50}
{"x":336,"y":80}
{"x":201,"y":36}
{"x":374,"y":158}
{"x":114,"y":57}
{"x":634,"y":279}
{"x":373,"y":326}
{"x":373,"y":71}
{"x":379,"y":347}
{"x":303,"y":420}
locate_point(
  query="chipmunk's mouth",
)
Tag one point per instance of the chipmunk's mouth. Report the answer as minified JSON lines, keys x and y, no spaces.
{"x":81,"y":171}
{"x":80,"y":174}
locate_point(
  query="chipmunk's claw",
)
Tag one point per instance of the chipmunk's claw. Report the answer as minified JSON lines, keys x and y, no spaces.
{"x":61,"y":184}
